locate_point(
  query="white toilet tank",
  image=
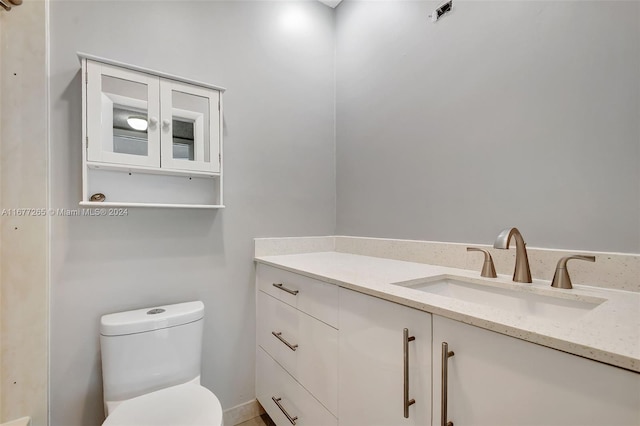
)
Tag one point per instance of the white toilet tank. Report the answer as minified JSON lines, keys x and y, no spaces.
{"x":150,"y":349}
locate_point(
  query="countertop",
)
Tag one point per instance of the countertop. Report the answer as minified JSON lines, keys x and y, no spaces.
{"x":609,"y":333}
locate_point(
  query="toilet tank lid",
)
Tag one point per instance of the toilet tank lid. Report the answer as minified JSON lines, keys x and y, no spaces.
{"x":149,"y":319}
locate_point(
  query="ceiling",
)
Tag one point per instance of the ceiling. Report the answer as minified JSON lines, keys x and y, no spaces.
{"x":331,"y":3}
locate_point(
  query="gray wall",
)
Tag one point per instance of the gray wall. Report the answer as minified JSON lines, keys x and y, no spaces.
{"x":279,"y":180}
{"x":503,"y":113}
{"x":515,"y":113}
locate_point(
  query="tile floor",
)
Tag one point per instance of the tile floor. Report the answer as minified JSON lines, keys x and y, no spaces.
{"x":263,"y":420}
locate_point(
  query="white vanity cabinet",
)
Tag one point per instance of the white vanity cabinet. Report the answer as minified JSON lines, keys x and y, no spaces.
{"x":297,"y":348}
{"x":495,"y":379}
{"x":327,"y":355}
{"x":374,"y":351}
{"x":149,"y":139}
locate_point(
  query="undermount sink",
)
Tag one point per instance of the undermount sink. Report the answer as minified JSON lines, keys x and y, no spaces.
{"x":515,"y":301}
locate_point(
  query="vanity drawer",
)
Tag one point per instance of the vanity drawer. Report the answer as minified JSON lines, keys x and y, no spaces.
{"x":312,"y":358}
{"x":272,"y":382}
{"x":316,"y":298}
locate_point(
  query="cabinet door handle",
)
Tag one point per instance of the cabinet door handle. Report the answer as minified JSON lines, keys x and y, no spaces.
{"x":291,"y":419}
{"x":446,"y":354}
{"x":166,"y":124}
{"x":279,"y":336}
{"x":281,"y":287}
{"x":405,"y":349}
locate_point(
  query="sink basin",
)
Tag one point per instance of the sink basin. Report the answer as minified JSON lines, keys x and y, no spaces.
{"x":520,"y":302}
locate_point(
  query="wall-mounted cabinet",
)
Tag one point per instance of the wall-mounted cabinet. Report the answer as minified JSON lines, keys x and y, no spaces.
{"x":151,"y":139}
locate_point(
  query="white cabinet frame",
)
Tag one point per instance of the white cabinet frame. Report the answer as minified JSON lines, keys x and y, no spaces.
{"x":202,"y":176}
{"x":100,"y":111}
{"x":212,"y":162}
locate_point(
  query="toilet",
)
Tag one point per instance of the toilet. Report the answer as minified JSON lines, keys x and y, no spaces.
{"x":151,"y":368}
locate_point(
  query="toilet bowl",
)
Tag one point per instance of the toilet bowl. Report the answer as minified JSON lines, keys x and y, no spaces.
{"x":188,"y":404}
{"x":151,"y":368}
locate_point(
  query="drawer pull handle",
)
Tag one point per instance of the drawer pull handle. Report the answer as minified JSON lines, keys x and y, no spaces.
{"x":405,"y":349}
{"x":279,"y":285}
{"x":279,"y":336}
{"x":446,"y":354}
{"x":291,"y":419}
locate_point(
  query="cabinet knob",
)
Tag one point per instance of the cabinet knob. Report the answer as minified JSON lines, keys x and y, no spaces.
{"x":153,"y":121}
{"x":166,"y":124}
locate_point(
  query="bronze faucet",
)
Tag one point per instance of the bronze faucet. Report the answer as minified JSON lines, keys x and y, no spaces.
{"x":521,"y":273}
{"x":561,"y":278}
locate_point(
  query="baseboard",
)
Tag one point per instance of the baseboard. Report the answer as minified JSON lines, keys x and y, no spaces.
{"x":242,"y":413}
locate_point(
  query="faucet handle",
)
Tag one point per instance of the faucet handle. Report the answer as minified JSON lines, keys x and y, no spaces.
{"x":488,"y":270}
{"x":561,"y":278}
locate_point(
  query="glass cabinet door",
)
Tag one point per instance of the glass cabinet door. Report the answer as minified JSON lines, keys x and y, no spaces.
{"x":190,"y":134}
{"x":123,"y":111}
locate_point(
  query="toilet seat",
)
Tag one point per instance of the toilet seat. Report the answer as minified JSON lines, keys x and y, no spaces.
{"x":183,"y":405}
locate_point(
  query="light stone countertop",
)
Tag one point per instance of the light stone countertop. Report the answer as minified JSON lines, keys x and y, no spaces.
{"x":609,"y":333}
